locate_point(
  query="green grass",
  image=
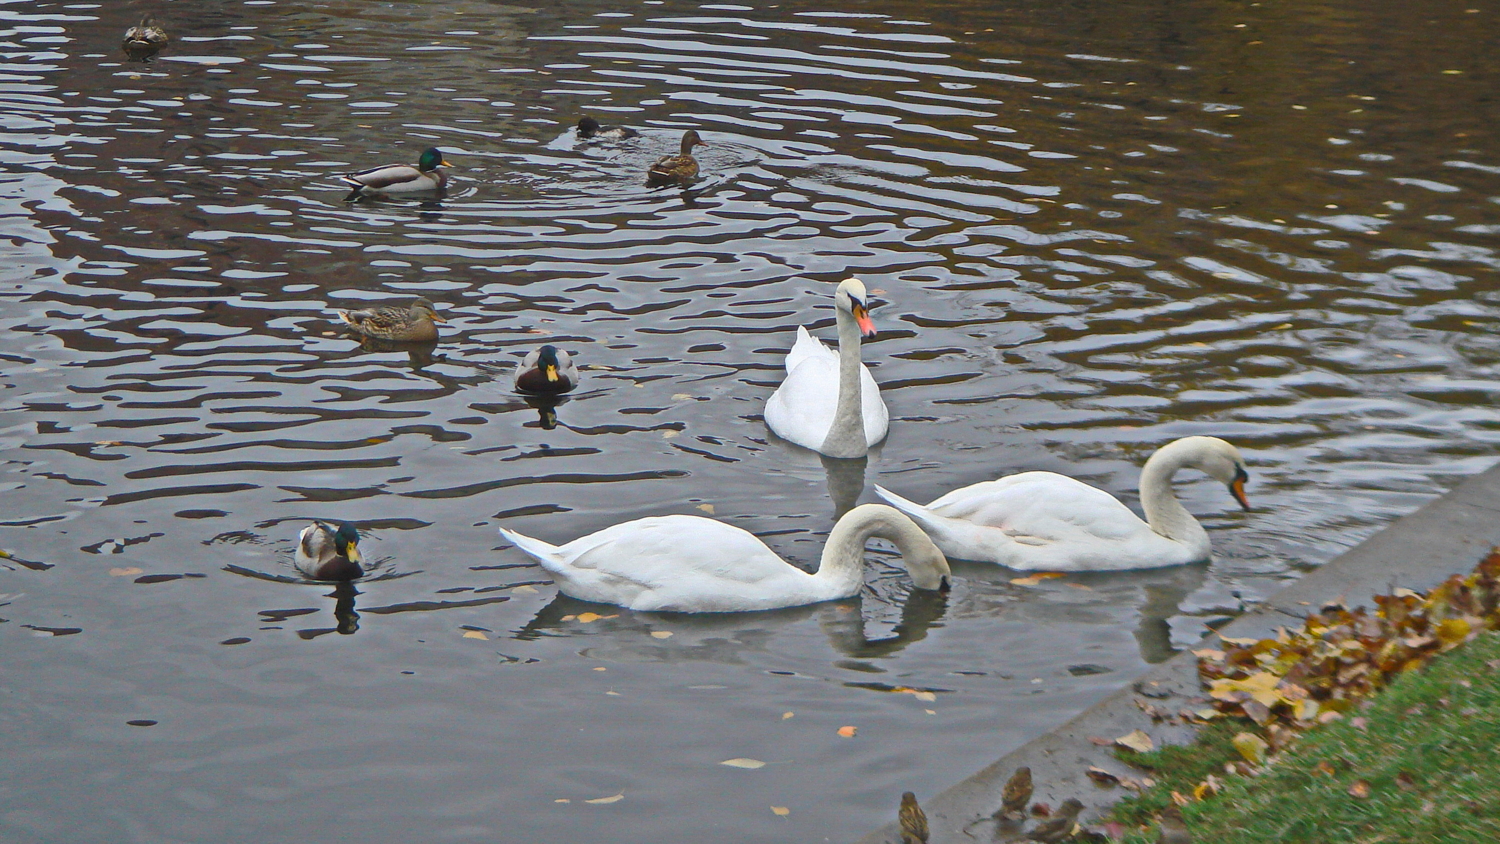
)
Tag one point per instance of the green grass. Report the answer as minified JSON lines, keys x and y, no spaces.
{"x":1443,"y":736}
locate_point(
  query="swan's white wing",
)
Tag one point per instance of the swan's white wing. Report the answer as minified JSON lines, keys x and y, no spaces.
{"x":674,"y":563}
{"x":1043,"y":506}
{"x":806,"y":347}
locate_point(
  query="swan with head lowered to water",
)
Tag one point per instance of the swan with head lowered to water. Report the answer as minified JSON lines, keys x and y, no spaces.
{"x":693,"y":564}
{"x":1043,"y":521}
{"x":829,"y":402}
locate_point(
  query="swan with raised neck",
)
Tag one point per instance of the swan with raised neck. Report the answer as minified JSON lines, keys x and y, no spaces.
{"x":1046,"y":521}
{"x":829,"y":402}
{"x":695,"y":564}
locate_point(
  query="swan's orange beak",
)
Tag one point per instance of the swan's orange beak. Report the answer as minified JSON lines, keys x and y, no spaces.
{"x":862,"y":319}
{"x":1237,"y":489}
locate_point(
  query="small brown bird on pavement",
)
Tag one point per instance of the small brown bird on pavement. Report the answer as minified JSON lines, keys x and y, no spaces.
{"x":1015,"y":796}
{"x":1060,"y":826}
{"x":913,"y":820}
{"x":1173,"y":830}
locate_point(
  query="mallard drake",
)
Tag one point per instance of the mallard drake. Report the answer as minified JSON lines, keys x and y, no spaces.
{"x":326,"y":552}
{"x":413,"y":324}
{"x":589,"y":129}
{"x":680,"y":169}
{"x":547,"y":370}
{"x":400,"y":178}
{"x":145,"y":38}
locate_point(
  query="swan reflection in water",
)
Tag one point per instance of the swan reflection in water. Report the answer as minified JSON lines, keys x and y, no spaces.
{"x":722,"y":637}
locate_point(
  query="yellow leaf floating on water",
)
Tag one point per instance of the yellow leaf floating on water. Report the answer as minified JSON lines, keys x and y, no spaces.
{"x":615,"y":798}
{"x":707,"y":508}
{"x":1136,"y":740}
{"x":741,"y":762}
{"x":925,"y":696}
{"x":785,"y":715}
{"x":1034,"y":579}
{"x":781,"y":811}
{"x":526,"y":589}
{"x":848,"y":732}
{"x":661,"y":634}
{"x":562,"y":800}
{"x":474,"y":634}
{"x":1250,"y":746}
{"x":588,"y":617}
{"x":125,"y":572}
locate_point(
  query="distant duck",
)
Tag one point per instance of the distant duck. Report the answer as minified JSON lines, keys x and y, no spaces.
{"x":590,"y":130}
{"x":547,"y":371}
{"x":326,"y":552}
{"x":694,"y":564}
{"x":410,"y":325}
{"x":829,"y":402}
{"x":426,"y":176}
{"x":1043,"y":521}
{"x":143,"y":40}
{"x":680,"y":169}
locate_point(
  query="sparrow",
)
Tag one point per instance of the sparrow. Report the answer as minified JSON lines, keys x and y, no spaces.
{"x":913,"y":820}
{"x":1014,"y":796}
{"x":1059,"y":827}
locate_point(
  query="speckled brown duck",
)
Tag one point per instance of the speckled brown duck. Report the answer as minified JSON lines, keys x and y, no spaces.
{"x":680,"y":169}
{"x":409,"y":325}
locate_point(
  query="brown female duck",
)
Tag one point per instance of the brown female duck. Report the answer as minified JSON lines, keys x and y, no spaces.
{"x":680,"y":169}
{"x":413,"y":325}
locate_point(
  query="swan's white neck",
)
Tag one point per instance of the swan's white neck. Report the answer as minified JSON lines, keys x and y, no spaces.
{"x":846,"y":437}
{"x":843,"y":563}
{"x":1164,"y":513}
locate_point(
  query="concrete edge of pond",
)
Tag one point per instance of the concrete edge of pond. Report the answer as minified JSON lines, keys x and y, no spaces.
{"x":1444,"y":537}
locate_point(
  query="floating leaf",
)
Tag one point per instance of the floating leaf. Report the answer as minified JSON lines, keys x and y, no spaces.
{"x":562,"y":800}
{"x":130,"y":571}
{"x":474,"y":634}
{"x":924,"y":696}
{"x":614,"y":798}
{"x":1035,"y":578}
{"x":661,"y":634}
{"x":1252,"y":747}
{"x":785,"y":715}
{"x":1136,"y":740}
{"x":707,"y":508}
{"x":848,"y":732}
{"x":781,"y":811}
{"x":588,"y":617}
{"x":742,"y":762}
{"x":526,"y":589}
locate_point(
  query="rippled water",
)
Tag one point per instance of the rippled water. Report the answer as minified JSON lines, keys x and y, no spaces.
{"x":1094,"y":228}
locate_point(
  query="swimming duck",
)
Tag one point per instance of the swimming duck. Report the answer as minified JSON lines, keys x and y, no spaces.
{"x":400,"y":178}
{"x":326,"y":552}
{"x":547,"y":370}
{"x":680,"y":169}
{"x":589,"y":129}
{"x":413,"y":324}
{"x":143,"y":40}
{"x":1043,"y":521}
{"x":694,"y":564}
{"x":829,"y":402}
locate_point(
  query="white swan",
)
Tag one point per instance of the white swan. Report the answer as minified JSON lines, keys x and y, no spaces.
{"x":829,"y":402}
{"x":1043,"y":521}
{"x":693,"y":564}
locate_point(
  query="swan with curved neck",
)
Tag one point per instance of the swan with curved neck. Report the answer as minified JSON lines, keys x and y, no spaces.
{"x":829,"y":402}
{"x":1043,"y":521}
{"x":693,"y":564}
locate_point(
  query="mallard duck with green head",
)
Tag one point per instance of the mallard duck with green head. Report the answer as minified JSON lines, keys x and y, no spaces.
{"x":427,"y":176}
{"x":547,"y":371}
{"x":680,"y":169}
{"x":329,"y":552}
{"x":414,"y":324}
{"x":143,"y":40}
{"x":590,"y":130}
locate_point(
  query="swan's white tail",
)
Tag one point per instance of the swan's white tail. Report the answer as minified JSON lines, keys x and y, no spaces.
{"x":910,"y":508}
{"x":544,"y":553}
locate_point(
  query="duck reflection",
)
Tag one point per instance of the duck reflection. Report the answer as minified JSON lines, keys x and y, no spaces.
{"x":546,"y":410}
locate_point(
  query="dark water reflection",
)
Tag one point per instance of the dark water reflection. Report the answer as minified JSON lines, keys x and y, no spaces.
{"x":1094,"y":227}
